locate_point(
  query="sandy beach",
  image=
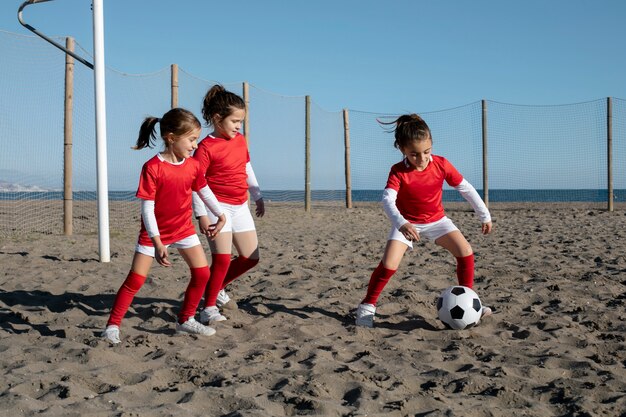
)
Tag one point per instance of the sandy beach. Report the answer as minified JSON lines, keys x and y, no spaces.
{"x":555,"y":276}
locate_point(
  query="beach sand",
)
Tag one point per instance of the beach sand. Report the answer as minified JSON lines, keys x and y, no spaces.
{"x":555,"y":276}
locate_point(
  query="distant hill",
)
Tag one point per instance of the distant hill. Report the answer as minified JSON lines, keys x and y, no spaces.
{"x":12,"y":187}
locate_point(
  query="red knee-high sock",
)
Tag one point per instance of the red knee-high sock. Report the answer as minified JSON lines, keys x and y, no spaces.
{"x":238,"y":267}
{"x":193,"y":294}
{"x":125,"y":295}
{"x":380,"y":277}
{"x":465,"y":270}
{"x":219,"y":268}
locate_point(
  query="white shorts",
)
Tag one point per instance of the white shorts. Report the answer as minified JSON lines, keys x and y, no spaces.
{"x":238,"y":218}
{"x":186,"y":243}
{"x":429,"y":231}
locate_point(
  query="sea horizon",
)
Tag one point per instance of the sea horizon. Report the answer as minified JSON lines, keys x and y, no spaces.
{"x":495,"y":195}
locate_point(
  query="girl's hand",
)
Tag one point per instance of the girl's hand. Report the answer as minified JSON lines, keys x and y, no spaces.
{"x":160,"y":254}
{"x":486,"y":228}
{"x":204,"y":224}
{"x":214,"y":229}
{"x":160,"y":251}
{"x":260,"y":207}
{"x":409,"y":232}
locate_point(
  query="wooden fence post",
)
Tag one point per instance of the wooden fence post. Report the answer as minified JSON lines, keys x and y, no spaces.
{"x":609,"y":150}
{"x":346,"y":140}
{"x":68,"y":199}
{"x":246,"y":124}
{"x":174,"y":86}
{"x":307,"y":154}
{"x":246,"y":118}
{"x":485,"y":163}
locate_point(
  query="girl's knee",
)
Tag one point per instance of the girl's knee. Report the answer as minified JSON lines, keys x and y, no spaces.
{"x":466,"y":251}
{"x":461,"y":252}
{"x":456,"y":245}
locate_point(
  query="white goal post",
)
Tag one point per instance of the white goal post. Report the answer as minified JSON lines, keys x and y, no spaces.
{"x":100,"y":105}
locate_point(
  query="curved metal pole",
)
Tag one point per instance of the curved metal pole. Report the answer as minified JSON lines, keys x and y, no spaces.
{"x":36,"y":32}
{"x":101,"y":155}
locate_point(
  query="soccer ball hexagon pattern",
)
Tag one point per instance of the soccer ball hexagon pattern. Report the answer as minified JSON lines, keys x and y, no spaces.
{"x":459,"y":307}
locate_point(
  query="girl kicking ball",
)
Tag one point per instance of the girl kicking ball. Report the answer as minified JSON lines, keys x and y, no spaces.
{"x":413,"y":202}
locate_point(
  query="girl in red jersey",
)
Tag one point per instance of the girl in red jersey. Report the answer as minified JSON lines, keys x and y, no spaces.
{"x":224,"y":158}
{"x":413,"y":202}
{"x":165,"y":188}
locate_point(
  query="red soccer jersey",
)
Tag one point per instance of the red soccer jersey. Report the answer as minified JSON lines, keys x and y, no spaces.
{"x":169,"y":186}
{"x":420,"y":192}
{"x":223,"y":162}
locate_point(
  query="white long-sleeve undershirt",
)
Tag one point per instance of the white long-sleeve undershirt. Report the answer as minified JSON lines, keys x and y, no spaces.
{"x":470,"y":194}
{"x":253,"y":184}
{"x":389,"y":205}
{"x":205,"y":197}
{"x":467,"y":191}
{"x":149,"y":219}
{"x":253,"y":187}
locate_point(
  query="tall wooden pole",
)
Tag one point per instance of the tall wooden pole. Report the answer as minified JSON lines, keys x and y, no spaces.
{"x":174,"y":86}
{"x":246,"y":123}
{"x":67,"y":140}
{"x":346,"y":140}
{"x":485,"y":165}
{"x":246,"y":118}
{"x":307,"y":154}
{"x":609,"y":151}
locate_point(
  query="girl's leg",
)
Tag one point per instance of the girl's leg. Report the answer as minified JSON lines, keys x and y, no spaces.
{"x":221,"y":249}
{"x":247,"y":245}
{"x":460,"y":248}
{"x":135,"y":279}
{"x":198,"y":265}
{"x":394,"y":251}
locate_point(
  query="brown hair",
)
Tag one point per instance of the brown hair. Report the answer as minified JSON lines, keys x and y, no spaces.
{"x":177,"y":121}
{"x":409,"y":128}
{"x":220,"y":102}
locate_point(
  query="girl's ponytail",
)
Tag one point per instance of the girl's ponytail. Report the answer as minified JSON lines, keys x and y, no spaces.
{"x":408,"y":128}
{"x":176,"y":121}
{"x":147,"y":133}
{"x":220,"y":102}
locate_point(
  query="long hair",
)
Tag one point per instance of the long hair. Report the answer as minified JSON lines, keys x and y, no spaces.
{"x":177,"y":121}
{"x":220,"y":102}
{"x":409,"y":128}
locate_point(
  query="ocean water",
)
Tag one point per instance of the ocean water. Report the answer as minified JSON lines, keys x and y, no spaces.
{"x":495,"y":196}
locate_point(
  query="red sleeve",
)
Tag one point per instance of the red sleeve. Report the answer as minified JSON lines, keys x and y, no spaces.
{"x":202,"y":156}
{"x":393,"y":181}
{"x":147,"y":183}
{"x":453,"y":177}
{"x":245,"y":144}
{"x":200,"y":180}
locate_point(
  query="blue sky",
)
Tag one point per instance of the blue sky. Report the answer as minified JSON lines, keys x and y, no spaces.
{"x":391,"y":57}
{"x":371,"y":57}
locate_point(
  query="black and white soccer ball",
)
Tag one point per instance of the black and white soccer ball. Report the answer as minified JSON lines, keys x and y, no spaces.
{"x":459,"y":307}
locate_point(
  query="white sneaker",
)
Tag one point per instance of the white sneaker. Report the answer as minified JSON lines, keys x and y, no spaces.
{"x":112,"y":334}
{"x":191,"y":326}
{"x":365,"y":315}
{"x":222,"y":298}
{"x":211,"y":315}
